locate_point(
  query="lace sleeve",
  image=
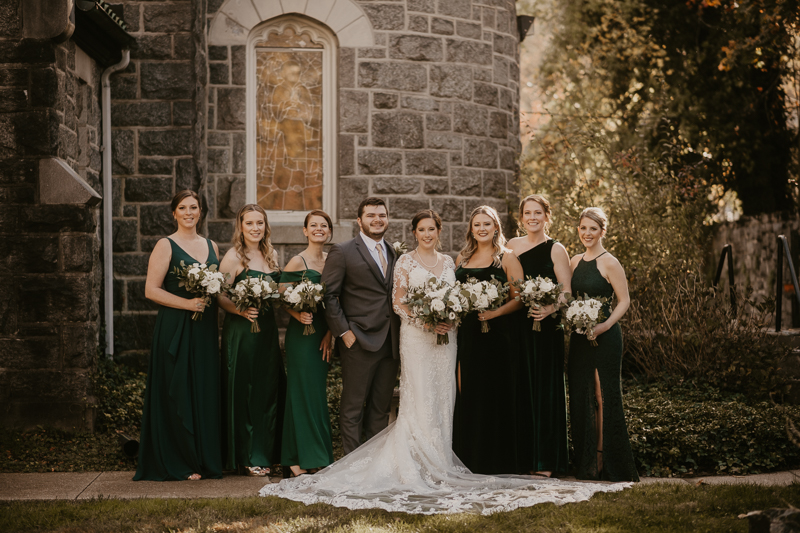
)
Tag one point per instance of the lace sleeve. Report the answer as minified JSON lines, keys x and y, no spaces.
{"x":400,"y":288}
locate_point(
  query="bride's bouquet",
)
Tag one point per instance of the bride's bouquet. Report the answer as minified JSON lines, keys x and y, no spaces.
{"x":435,"y":302}
{"x":254,"y":292}
{"x":583,"y":314}
{"x":303,"y":297}
{"x":485,"y":296}
{"x":537,"y":292}
{"x":202,"y":281}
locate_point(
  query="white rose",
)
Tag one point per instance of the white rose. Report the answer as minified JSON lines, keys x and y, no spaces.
{"x":205,"y":281}
{"x":293,"y":298}
{"x":203,"y":265}
{"x":257,"y":290}
{"x":317,"y":297}
{"x":266,"y":288}
{"x":483,"y":302}
{"x":491,"y":292}
{"x":417,"y":277}
{"x":194,"y":271}
{"x":214,"y":287}
{"x":546,"y":286}
{"x":318,"y":287}
{"x":456,"y":307}
{"x":528,"y":288}
{"x":437,"y":305}
{"x":593,"y":313}
{"x":451,"y":316}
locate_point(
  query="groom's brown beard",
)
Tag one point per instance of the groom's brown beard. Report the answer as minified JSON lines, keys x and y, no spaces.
{"x":367,"y":230}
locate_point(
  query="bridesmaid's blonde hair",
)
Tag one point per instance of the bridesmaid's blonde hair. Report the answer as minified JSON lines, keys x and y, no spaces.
{"x":264,"y":245}
{"x":542,"y":201}
{"x":596,"y":214}
{"x":498,"y":240}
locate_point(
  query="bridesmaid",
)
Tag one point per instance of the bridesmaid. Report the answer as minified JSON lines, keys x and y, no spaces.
{"x":599,"y":433}
{"x":484,"y":424}
{"x":181,"y":419}
{"x":542,"y":404}
{"x":254,"y":381}
{"x":307,"y":442}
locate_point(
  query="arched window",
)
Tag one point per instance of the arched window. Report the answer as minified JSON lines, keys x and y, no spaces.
{"x":291,"y":118}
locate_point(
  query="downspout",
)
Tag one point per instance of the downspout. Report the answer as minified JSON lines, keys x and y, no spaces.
{"x":108,"y":202}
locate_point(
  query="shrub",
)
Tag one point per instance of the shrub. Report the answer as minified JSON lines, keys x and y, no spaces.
{"x":119,"y":392}
{"x":685,"y":429}
{"x":334,"y":399}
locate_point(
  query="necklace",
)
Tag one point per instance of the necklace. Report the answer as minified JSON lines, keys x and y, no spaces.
{"x":421,"y":262}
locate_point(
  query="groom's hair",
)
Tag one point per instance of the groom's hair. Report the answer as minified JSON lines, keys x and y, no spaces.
{"x":371,"y":201}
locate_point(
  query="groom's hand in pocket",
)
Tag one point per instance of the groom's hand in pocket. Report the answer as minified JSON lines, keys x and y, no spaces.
{"x":349,"y":338}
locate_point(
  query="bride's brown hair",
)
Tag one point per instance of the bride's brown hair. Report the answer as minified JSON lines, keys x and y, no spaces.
{"x":498,"y":240}
{"x":422,"y":215}
{"x":264,"y":246}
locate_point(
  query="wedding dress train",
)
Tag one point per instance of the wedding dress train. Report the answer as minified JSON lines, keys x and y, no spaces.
{"x":410,"y":466}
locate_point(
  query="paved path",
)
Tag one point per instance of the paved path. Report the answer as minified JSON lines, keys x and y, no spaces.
{"x":88,"y":485}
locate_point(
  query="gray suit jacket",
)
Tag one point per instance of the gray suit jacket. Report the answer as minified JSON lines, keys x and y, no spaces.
{"x":357,"y":296}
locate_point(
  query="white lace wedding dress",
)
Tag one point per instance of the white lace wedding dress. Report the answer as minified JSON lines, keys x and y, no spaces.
{"x":410,"y":466}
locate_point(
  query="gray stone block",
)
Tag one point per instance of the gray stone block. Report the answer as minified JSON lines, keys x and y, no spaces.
{"x":140,"y":114}
{"x":218,"y":73}
{"x":442,"y":26}
{"x":347,"y":67}
{"x":218,"y":160}
{"x":346,"y":150}
{"x":384,"y":100}
{"x":396,"y":76}
{"x":231,"y":109}
{"x":469,"y":118}
{"x":385,"y":16}
{"x":405,"y":208}
{"x":443,"y":141}
{"x":436,"y":186}
{"x":426,"y":164}
{"x":30,"y":353}
{"x":122,"y":156}
{"x":231,"y":196}
{"x":415,"y":48}
{"x":152,"y":47}
{"x":183,"y":46}
{"x":379,"y":162}
{"x":156,"y":220}
{"x":31,"y":254}
{"x":148,"y":189}
{"x":14,"y":77}
{"x":513,"y":72}
{"x":419,"y":103}
{"x":353,"y":111}
{"x":80,"y":345}
{"x":168,"y":18}
{"x":508,"y":158}
{"x":156,"y":166}
{"x":505,"y":45}
{"x":506,"y":20}
{"x":219,"y":139}
{"x":500,"y":205}
{"x":494,"y":184}
{"x":423,"y":6}
{"x":485,"y":94}
{"x":351,"y":191}
{"x":397,"y":130}
{"x":451,"y":81}
{"x":56,"y":298}
{"x":44,"y":88}
{"x":372,"y":53}
{"x":183,"y":114}
{"x":438,"y":122}
{"x":482,"y":74}
{"x":455,"y":8}
{"x":507,"y":100}
{"x":498,"y":125}
{"x":450,"y":209}
{"x":187,"y":175}
{"x":135,"y":299}
{"x":480,"y":153}
{"x":217,"y":53}
{"x":394,"y":185}
{"x":418,"y":23}
{"x":470,"y":30}
{"x":172,"y":81}
{"x":125,"y":236}
{"x":500,"y":76}
{"x":131,"y":264}
{"x":130,"y":211}
{"x":465,"y":182}
{"x":124,"y":87}
{"x":165,"y":142}
{"x":133,"y":331}
{"x":474,"y":53}
{"x":488,"y":18}
{"x":239,"y":155}
{"x":220,"y":231}
{"x":239,"y":65}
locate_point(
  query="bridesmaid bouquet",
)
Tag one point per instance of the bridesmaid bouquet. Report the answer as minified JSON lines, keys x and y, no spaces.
{"x":303,"y":297}
{"x":435,"y":302}
{"x":485,"y":296}
{"x":202,"y":281}
{"x":254,"y":292}
{"x":583,"y":314}
{"x":537,"y":292}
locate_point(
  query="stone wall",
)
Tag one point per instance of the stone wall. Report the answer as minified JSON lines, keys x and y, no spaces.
{"x":50,"y":271}
{"x":754,"y":244}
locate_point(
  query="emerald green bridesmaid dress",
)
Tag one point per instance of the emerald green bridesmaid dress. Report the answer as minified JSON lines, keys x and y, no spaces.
{"x":181,"y":419}
{"x":485,"y":417}
{"x":542,"y":405}
{"x":606,"y":358}
{"x":307,"y":438}
{"x":254,"y":387}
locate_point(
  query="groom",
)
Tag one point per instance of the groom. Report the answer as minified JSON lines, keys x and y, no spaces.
{"x":358,"y":308}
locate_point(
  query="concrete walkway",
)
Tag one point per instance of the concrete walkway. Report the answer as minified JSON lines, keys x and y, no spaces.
{"x":85,"y":486}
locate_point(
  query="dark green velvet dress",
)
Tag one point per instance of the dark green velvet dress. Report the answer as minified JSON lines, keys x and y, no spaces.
{"x":307,"y":440}
{"x":254,"y":387}
{"x":181,"y":419}
{"x":542,"y":404}
{"x":606,"y":358}
{"x":485,"y":417}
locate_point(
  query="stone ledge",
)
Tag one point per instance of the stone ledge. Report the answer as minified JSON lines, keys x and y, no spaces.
{"x":59,"y":184}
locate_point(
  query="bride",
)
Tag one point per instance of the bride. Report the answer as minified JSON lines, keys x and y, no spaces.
{"x":410,"y":466}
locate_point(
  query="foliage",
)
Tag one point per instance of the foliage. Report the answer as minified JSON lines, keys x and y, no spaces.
{"x":334,"y":399}
{"x":119,"y":393}
{"x":686,"y":429}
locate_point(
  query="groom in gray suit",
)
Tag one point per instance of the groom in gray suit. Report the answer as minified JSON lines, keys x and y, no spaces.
{"x":358,"y":308}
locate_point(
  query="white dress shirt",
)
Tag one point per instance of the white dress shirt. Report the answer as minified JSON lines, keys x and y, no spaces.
{"x":372,"y":246}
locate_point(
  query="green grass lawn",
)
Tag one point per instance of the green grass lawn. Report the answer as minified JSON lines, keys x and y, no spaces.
{"x":673,"y":507}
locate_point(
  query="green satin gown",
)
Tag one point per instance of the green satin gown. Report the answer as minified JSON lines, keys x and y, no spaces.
{"x":307,"y":438}
{"x":606,"y":358}
{"x":484,"y":421}
{"x":542,"y":404}
{"x":181,"y":419}
{"x":254,"y":387}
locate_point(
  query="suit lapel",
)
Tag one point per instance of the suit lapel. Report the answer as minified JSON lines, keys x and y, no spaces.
{"x":362,"y":249}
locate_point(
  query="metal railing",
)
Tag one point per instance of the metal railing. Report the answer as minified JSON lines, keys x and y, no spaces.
{"x":783,"y":247}
{"x":727,"y":251}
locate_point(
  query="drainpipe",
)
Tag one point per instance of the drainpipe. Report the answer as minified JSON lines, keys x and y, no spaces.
{"x":108,"y":202}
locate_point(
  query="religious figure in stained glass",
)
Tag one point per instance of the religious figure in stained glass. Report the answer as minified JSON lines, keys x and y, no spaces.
{"x":289,"y":122}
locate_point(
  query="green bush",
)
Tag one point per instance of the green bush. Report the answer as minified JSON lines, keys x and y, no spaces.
{"x":685,"y":429}
{"x":119,"y":393}
{"x":334,"y":399}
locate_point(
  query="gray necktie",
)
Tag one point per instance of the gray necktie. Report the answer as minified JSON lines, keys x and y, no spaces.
{"x":379,"y":248}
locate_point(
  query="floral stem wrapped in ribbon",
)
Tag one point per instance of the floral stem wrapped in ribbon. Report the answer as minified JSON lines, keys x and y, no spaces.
{"x":202,"y":281}
{"x":303,"y":297}
{"x":583,"y":314}
{"x":435,"y":302}
{"x":537,"y":292}
{"x":254,"y":292}
{"x":485,"y":296}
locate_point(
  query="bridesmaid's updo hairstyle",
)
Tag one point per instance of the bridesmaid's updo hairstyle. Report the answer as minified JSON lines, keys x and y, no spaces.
{"x":183,"y":195}
{"x":542,"y":201}
{"x":498,"y":240}
{"x":323,"y":214}
{"x":264,"y":245}
{"x":596,"y":214}
{"x":424,"y":214}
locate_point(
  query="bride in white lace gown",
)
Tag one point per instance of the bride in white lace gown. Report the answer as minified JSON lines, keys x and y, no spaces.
{"x":410,"y":466}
